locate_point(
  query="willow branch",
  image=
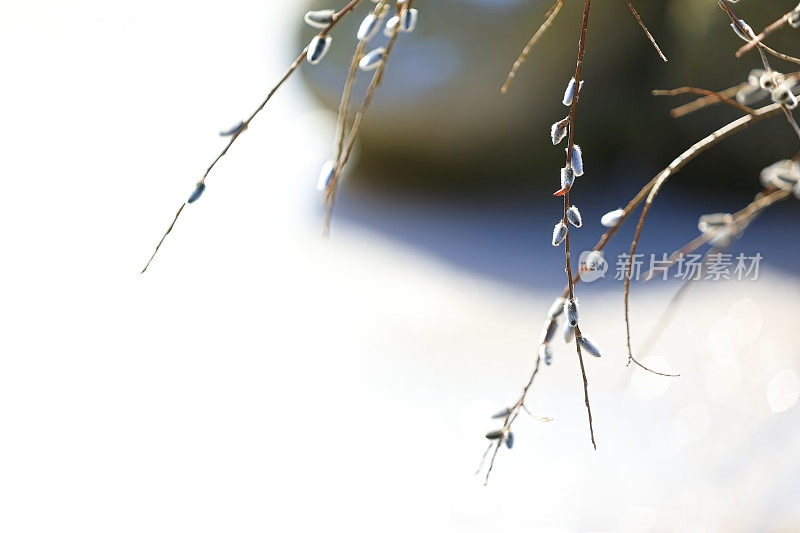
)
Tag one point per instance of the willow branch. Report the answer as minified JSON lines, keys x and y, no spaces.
{"x":245,"y":124}
{"x":646,"y":31}
{"x":551,"y":16}
{"x":687,"y":156}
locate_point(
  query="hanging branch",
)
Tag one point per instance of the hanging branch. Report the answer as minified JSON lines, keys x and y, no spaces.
{"x":242,"y":127}
{"x":646,"y":31}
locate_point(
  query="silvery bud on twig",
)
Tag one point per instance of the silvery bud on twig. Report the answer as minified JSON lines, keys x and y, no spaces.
{"x":714,"y":221}
{"x":794,"y":18}
{"x":197,"y":193}
{"x":572,"y":312}
{"x":574,"y":217}
{"x":738,"y":31}
{"x":754,"y":78}
{"x":317,"y":49}
{"x":782,"y":174}
{"x":319,"y":19}
{"x":569,"y":333}
{"x":559,"y":233}
{"x":588,"y":344}
{"x":502,"y":414}
{"x":569,"y":93}
{"x":510,"y":440}
{"x":576,"y":160}
{"x":558,"y":131}
{"x":495,"y":435}
{"x":548,"y":331}
{"x":594,"y":260}
{"x":749,"y":95}
{"x":409,"y":20}
{"x":546,"y":353}
{"x":368,"y":28}
{"x":372,"y":59}
{"x":233,"y":131}
{"x":612,"y":218}
{"x":782,"y":95}
{"x":556,"y":308}
{"x":391,"y":26}
{"x":567,"y":178}
{"x":769,"y":80}
{"x":326,"y":174}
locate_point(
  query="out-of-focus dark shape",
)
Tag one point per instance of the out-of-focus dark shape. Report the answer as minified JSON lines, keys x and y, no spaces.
{"x":439,"y":120}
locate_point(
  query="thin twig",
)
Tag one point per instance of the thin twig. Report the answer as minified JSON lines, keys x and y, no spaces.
{"x":761,"y":46}
{"x":695,"y":150}
{"x":646,"y":31}
{"x":696,"y":90}
{"x":169,"y":229}
{"x":509,"y":419}
{"x":741,"y":220}
{"x":330,"y":192}
{"x":551,"y":16}
{"x":769,"y":29}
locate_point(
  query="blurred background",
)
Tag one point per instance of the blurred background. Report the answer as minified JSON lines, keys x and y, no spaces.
{"x":261,"y":378}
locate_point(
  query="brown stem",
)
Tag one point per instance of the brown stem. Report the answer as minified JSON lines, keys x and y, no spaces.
{"x":696,"y":90}
{"x":587,"y":6}
{"x":551,"y":16}
{"x":695,"y":150}
{"x":761,"y":36}
{"x":646,"y":31}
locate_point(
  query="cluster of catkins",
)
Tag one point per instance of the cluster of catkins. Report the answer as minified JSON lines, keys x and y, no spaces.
{"x":781,"y":92}
{"x":404,"y":21}
{"x":572,"y":170}
{"x":756,"y":89}
{"x":722,"y":227}
{"x":505,"y":434}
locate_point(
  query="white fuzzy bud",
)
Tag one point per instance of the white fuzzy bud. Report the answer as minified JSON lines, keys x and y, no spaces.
{"x":769,"y":80}
{"x":754,"y":78}
{"x":408,"y":19}
{"x":782,"y":95}
{"x":567,"y":177}
{"x":749,"y":95}
{"x":572,"y":312}
{"x":548,"y":331}
{"x":558,"y":131}
{"x":796,"y":190}
{"x":576,"y":160}
{"x":569,"y":333}
{"x":745,"y":35}
{"x":714,"y":221}
{"x":794,"y":18}
{"x":782,"y":175}
{"x":588,"y":344}
{"x":368,"y":28}
{"x":372,"y":59}
{"x":326,"y":174}
{"x":546,"y":353}
{"x":391,"y":26}
{"x":559,"y":233}
{"x":317,"y":49}
{"x":574,"y":217}
{"x":569,"y":93}
{"x":319,"y":19}
{"x":556,"y":308}
{"x":612,"y":218}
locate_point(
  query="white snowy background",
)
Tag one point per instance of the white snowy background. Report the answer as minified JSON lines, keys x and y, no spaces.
{"x":259,"y":378}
